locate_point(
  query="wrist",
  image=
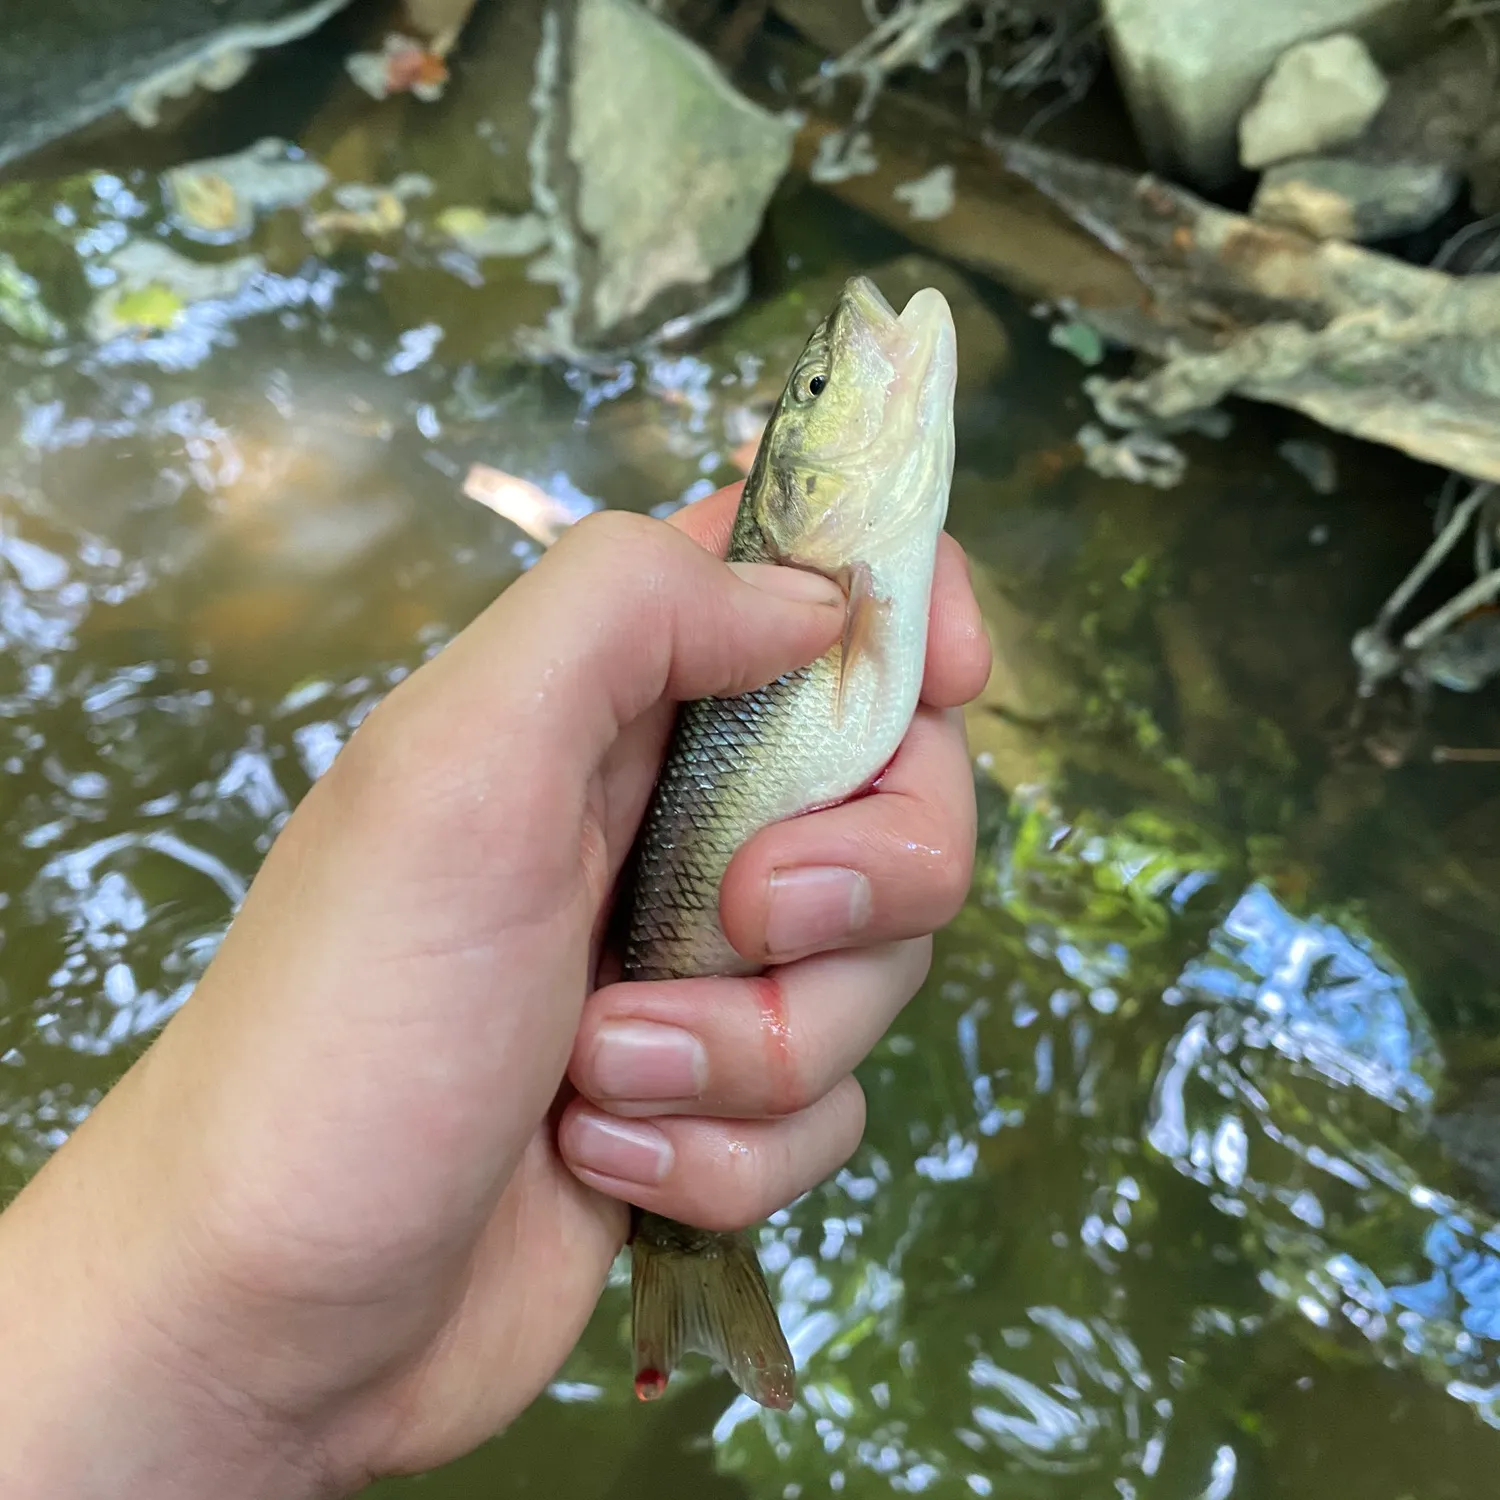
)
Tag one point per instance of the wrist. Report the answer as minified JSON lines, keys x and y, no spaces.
{"x":105,"y":1389}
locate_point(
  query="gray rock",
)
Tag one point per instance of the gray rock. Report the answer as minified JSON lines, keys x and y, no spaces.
{"x":63,"y":66}
{"x":1437,"y":106}
{"x":1484,"y":170}
{"x":611,"y":149}
{"x":1190,"y":68}
{"x":674,"y":169}
{"x":1333,"y":198}
{"x":1320,"y":94}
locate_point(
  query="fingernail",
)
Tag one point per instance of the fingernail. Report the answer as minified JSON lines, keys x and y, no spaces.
{"x":642,"y":1060}
{"x":626,"y":1149}
{"x":790,"y":583}
{"x":814,"y":907}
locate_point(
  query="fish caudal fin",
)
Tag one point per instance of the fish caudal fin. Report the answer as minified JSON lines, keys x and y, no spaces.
{"x":693,"y":1292}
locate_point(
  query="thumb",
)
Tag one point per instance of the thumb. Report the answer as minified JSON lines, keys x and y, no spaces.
{"x":623,"y":612}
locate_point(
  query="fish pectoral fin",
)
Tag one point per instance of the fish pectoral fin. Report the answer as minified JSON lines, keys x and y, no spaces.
{"x":711,"y":1299}
{"x":861,"y":637}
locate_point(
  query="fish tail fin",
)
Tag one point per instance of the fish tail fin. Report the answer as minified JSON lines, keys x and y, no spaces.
{"x":703,"y":1293}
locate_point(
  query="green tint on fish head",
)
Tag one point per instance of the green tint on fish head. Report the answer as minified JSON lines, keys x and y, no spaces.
{"x":859,"y":450}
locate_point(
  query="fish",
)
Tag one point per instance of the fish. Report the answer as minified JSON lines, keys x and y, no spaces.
{"x":850,"y":480}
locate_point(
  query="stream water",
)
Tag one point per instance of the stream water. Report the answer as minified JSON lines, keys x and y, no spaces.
{"x":1154,"y":1199}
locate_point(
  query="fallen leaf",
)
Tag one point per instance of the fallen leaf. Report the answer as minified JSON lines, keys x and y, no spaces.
{"x":520,"y":502}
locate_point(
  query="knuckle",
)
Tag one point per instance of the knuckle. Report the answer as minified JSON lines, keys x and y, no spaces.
{"x":951,"y":880}
{"x":738,"y":1186}
{"x":379,"y":757}
{"x":614,"y":534}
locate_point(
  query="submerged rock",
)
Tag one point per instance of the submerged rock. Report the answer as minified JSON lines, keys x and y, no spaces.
{"x":1320,"y":94}
{"x":1337,"y":198}
{"x":1437,"y":107}
{"x":219,"y":199}
{"x":1189,"y":68}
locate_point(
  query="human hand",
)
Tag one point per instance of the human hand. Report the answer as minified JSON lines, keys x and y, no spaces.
{"x":339,"y":1221}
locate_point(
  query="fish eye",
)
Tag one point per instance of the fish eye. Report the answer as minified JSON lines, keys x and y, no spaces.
{"x":810,"y":385}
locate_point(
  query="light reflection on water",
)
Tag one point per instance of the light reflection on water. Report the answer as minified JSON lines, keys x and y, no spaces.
{"x":1149,"y":1152}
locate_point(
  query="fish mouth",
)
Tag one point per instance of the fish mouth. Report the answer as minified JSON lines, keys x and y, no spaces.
{"x":868,"y":302}
{"x":920,"y":344}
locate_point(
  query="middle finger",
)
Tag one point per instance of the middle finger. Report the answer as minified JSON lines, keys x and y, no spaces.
{"x":732,"y":1048}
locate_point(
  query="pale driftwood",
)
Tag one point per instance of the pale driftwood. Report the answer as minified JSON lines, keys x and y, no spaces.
{"x":1361,"y":342}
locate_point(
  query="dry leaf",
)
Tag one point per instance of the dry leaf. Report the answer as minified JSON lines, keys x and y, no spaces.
{"x":522,"y":503}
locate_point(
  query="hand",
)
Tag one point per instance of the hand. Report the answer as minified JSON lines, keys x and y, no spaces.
{"x":338,"y":1222}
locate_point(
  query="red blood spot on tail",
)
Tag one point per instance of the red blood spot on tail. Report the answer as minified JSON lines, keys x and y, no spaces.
{"x":649,"y":1384}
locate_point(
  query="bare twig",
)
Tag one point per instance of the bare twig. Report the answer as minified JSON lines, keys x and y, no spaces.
{"x":1481,"y":591}
{"x":1445,"y":541}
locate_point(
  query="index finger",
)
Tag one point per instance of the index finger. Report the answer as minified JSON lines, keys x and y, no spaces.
{"x":958,"y":646}
{"x":710,"y":520}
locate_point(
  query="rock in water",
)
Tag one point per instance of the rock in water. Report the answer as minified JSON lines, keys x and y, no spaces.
{"x":1190,"y":68}
{"x":674,"y":169}
{"x":65,"y":66}
{"x":1332,"y":198}
{"x":1320,"y":94}
{"x":617,"y":145}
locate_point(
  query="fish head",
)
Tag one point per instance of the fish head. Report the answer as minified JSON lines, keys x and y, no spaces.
{"x":859,"y":451}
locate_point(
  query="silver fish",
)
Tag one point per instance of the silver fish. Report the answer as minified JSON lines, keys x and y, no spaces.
{"x":851,"y":480}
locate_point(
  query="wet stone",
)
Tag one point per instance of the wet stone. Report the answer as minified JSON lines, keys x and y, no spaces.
{"x":1334,"y":198}
{"x":1319,"y":94}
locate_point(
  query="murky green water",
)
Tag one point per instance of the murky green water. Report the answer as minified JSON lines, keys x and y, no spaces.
{"x":1149,"y":1205}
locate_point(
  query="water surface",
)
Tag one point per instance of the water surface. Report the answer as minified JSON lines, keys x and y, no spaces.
{"x":1149,"y":1204}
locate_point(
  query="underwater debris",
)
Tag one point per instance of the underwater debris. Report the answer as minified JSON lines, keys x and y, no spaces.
{"x":843,"y":155}
{"x":403,"y":65}
{"x":1139,"y":456}
{"x":929,"y":197}
{"x":22,"y":309}
{"x":484,"y":235}
{"x":1005,"y":45}
{"x":366,"y":209}
{"x":1315,"y":462}
{"x":218,"y":199}
{"x":1078,"y":338}
{"x":1457,"y":646}
{"x":155,"y":285}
